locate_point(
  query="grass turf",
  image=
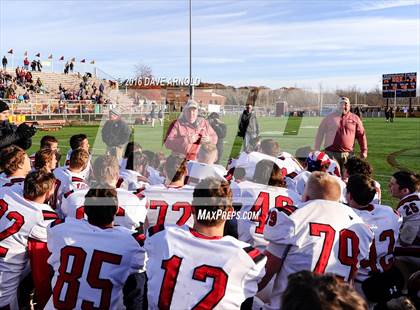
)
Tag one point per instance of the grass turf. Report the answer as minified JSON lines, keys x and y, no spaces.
{"x":398,"y":142}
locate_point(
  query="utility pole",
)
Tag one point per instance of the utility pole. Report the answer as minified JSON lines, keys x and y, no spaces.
{"x":191,"y":91}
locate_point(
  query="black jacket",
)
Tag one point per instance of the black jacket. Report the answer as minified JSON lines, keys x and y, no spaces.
{"x":248,"y":125}
{"x":9,"y":136}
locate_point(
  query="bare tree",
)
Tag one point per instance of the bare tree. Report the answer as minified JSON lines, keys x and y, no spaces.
{"x":142,"y":71}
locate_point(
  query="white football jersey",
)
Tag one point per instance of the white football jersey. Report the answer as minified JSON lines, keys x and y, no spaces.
{"x":188,"y":270}
{"x":6,"y":181}
{"x":298,"y":183}
{"x":321,"y":236}
{"x":409,"y":208}
{"x":132,"y":180}
{"x":91,"y":264}
{"x":20,"y":220}
{"x":131,"y":210}
{"x":257,"y":200}
{"x":66,"y":181}
{"x":385,"y":224}
{"x":87,"y":171}
{"x":248,"y":161}
{"x":154,"y":176}
{"x":199,"y":171}
{"x":169,"y":205}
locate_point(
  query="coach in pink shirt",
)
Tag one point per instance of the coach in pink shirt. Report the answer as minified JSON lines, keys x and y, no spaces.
{"x":339,"y":130}
{"x":186,"y":134}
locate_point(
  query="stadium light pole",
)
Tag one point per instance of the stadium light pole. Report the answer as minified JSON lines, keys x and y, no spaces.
{"x":191,"y":92}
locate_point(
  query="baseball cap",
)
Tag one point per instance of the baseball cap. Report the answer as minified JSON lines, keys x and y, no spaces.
{"x":316,"y":160}
{"x":191,"y":104}
{"x":3,"y":106}
{"x":343,"y":100}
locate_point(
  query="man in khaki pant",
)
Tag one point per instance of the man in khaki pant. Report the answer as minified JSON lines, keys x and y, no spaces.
{"x":339,"y":130}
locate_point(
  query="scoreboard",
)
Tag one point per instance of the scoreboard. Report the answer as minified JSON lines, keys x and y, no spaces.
{"x":399,"y":84}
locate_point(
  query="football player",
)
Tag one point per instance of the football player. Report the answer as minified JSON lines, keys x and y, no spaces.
{"x":316,"y":161}
{"x":266,"y":191}
{"x":131,"y":211}
{"x":355,"y":165}
{"x":47,"y":142}
{"x":45,"y":159}
{"x":95,"y":261}
{"x":385,"y":224}
{"x":133,"y":176}
{"x":15,"y":164}
{"x":306,"y":290}
{"x":24,"y":218}
{"x":405,"y":186}
{"x":80,"y":141}
{"x":205,"y":166}
{"x":198,"y":268}
{"x":170,"y":203}
{"x":323,"y":236}
{"x":70,"y":177}
{"x":270,"y":150}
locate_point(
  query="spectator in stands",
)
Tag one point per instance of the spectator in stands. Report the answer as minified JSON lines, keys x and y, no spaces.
{"x":185,"y":134}
{"x":71,"y":66}
{"x":33,"y":65}
{"x":39,"y":65}
{"x":66,"y":68}
{"x":308,"y":291}
{"x":101,"y":88}
{"x":4,"y":62}
{"x":28,"y":77}
{"x":26,"y":96}
{"x":26,"y":63}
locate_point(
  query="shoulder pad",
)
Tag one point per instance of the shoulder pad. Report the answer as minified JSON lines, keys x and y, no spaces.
{"x":155,"y":229}
{"x":139,"y":193}
{"x":254,"y":253}
{"x":408,"y":199}
{"x":77,"y":179}
{"x":288,"y":210}
{"x":140,"y":237}
{"x":119,"y":182}
{"x":66,"y":195}
{"x":49,"y":215}
{"x":57,"y":222}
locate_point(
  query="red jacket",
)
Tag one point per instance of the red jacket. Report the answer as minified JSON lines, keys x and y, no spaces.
{"x":180,"y":134}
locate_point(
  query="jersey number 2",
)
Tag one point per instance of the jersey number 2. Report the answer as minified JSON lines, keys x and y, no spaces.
{"x":200,"y":273}
{"x":18,"y":222}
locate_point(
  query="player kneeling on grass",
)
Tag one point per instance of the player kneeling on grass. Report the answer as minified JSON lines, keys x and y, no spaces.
{"x":23,"y":224}
{"x":198,"y":267}
{"x":377,"y":278}
{"x":96,"y":265}
{"x":321,"y":236}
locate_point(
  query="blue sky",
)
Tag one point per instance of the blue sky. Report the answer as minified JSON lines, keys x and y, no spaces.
{"x":271,"y":43}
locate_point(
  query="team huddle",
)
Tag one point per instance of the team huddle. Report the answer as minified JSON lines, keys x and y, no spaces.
{"x":154,"y":232}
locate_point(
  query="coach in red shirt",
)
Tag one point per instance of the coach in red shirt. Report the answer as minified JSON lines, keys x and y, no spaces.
{"x":339,"y":130}
{"x":186,"y":134}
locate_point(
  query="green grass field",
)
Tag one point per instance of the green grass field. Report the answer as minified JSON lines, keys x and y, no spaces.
{"x":391,"y":145}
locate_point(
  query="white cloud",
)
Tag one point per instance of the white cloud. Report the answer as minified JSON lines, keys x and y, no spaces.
{"x":384,"y":4}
